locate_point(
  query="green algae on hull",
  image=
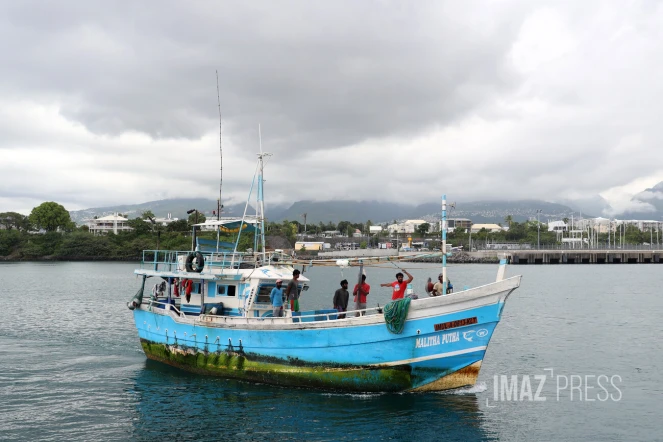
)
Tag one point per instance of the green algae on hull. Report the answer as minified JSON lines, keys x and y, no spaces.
{"x":280,"y":372}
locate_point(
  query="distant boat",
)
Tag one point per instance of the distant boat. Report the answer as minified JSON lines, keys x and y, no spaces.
{"x":226,"y":327}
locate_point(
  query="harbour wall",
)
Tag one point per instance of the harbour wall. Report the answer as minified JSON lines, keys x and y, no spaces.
{"x":585,"y":256}
{"x":520,"y":257}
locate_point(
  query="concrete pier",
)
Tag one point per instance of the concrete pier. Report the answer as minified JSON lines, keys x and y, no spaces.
{"x":584,"y":256}
{"x":527,"y":256}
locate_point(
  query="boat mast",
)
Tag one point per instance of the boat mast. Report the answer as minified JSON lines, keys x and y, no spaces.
{"x":218,"y":204}
{"x":444,"y":244}
{"x":260,"y":210}
{"x":261,"y":199}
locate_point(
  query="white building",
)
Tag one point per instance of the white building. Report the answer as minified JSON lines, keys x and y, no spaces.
{"x":557,"y":226}
{"x":163,"y":221}
{"x":605,"y":225}
{"x":643,"y":225}
{"x":409,"y":226}
{"x":106,"y":224}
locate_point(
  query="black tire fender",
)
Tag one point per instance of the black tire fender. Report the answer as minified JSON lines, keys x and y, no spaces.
{"x":199,"y":260}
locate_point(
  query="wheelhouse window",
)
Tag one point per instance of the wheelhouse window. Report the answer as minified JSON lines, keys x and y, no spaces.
{"x":226,"y":290}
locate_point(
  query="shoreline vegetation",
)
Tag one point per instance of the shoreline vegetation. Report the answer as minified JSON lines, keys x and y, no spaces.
{"x":48,"y":234}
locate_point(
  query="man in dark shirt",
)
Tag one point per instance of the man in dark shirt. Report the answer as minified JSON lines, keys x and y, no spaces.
{"x":341,"y":298}
{"x":292,"y":291}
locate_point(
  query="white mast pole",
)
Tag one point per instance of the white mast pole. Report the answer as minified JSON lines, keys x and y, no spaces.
{"x":219,"y":205}
{"x":261,"y":199}
{"x":444,"y":244}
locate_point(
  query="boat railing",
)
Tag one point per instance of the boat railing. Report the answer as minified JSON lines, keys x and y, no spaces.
{"x":308,"y":317}
{"x":174,"y":260}
{"x":305,"y":317}
{"x":165,"y":305}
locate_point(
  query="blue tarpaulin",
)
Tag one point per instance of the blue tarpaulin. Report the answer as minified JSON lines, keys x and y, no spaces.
{"x":209,"y":245}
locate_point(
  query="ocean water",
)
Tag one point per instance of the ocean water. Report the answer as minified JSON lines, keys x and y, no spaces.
{"x":587,"y":337}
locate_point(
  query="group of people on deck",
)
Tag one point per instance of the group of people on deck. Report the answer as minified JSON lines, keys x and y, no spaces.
{"x":291,"y":293}
{"x":342,"y":296}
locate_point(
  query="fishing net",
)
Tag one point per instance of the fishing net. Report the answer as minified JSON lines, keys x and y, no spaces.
{"x":395,"y":314}
{"x":138,"y":297}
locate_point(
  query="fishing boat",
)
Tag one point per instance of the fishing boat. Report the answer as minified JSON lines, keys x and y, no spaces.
{"x":224,"y":325}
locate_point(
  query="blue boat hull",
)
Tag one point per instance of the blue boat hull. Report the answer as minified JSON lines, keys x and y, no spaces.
{"x":432,"y":353}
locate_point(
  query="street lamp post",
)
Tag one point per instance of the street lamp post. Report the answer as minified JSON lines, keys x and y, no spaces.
{"x":470,"y":237}
{"x":193,"y":236}
{"x":538,"y":232}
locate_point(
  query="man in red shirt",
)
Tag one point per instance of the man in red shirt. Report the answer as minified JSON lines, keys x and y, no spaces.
{"x":363,"y":293}
{"x":399,"y":285}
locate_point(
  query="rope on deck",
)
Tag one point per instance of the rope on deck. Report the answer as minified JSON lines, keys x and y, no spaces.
{"x":395,"y":314}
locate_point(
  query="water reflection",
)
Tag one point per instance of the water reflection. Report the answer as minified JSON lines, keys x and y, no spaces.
{"x":186,"y":406}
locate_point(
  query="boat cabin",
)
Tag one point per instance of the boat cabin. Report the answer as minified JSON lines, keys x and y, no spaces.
{"x":227,"y":286}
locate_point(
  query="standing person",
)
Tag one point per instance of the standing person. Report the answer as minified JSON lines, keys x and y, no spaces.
{"x":277,"y":299}
{"x":363,"y":293}
{"x":292,"y":291}
{"x":399,"y":286}
{"x":341,"y":298}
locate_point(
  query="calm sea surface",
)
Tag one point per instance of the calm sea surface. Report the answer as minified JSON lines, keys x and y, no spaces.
{"x":71,"y":367}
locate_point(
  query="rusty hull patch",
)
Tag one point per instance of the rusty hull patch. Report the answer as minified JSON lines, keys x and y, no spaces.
{"x":291,"y":372}
{"x":464,"y":377}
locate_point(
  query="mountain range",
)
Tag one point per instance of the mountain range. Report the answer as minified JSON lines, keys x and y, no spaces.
{"x":649,"y":203}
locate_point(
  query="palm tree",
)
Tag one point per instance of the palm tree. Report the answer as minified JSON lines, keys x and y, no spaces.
{"x":508,"y":220}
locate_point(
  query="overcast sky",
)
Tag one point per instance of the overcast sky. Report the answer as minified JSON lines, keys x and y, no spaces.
{"x":105,"y":103}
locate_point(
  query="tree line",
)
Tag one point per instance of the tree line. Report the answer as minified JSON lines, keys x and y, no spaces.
{"x":49,"y":232}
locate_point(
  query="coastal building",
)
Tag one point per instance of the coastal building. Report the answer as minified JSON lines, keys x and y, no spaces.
{"x":458,"y":223}
{"x":163,"y":221}
{"x":641,"y":224}
{"x":605,"y":225}
{"x":557,"y":226}
{"x":108,"y":224}
{"x":309,"y":245}
{"x":490,"y":227}
{"x":409,"y":226}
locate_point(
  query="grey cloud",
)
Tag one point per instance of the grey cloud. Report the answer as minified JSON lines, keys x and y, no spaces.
{"x":366,"y":100}
{"x":315,"y":75}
